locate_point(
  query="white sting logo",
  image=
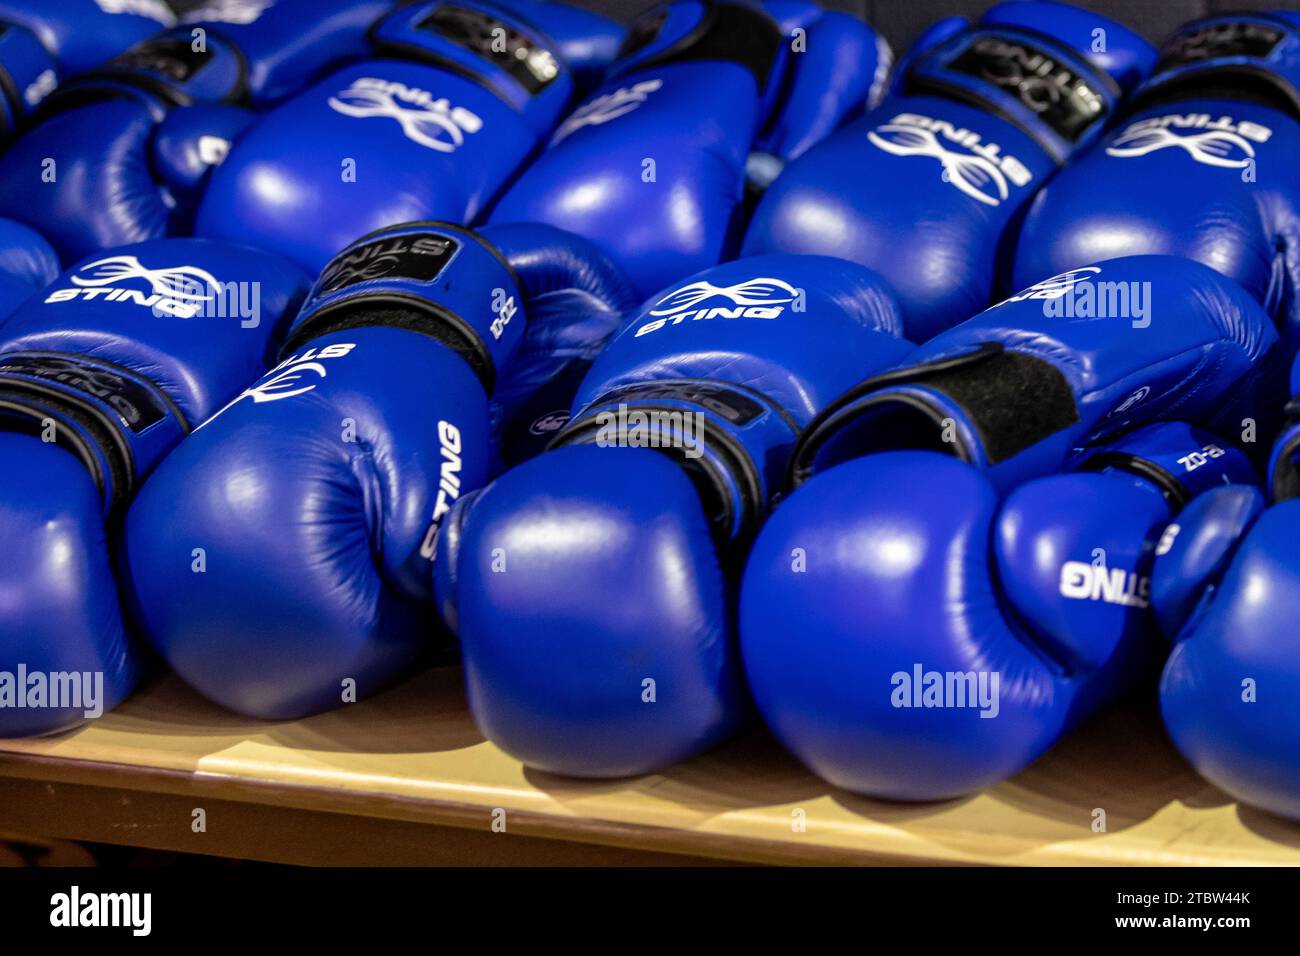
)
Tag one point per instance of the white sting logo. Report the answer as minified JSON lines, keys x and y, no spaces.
{"x":1055,"y":287}
{"x":982,"y":172}
{"x":284,"y":383}
{"x":230,"y":11}
{"x":451,"y":447}
{"x":432,"y":122}
{"x":1081,"y":581}
{"x":153,"y":9}
{"x":180,"y":291}
{"x":759,"y":298}
{"x":1222,"y":142}
{"x":609,"y":106}
{"x":179,"y":282}
{"x":764,"y":291}
{"x":296,"y":375}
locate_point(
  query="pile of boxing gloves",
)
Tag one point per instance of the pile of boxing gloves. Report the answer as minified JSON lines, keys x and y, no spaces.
{"x":705,"y":371}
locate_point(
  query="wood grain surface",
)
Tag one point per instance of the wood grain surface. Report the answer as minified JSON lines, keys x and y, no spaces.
{"x":406,"y":778}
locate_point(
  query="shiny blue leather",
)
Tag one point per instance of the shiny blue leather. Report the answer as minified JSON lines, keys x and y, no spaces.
{"x":319,"y":492}
{"x":101,"y":375}
{"x":927,"y":188}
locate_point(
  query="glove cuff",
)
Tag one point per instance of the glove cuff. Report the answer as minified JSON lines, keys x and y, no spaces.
{"x":1249,"y":49}
{"x":692,"y":31}
{"x":1052,"y":93}
{"x":433,"y":278}
{"x":177,"y":68}
{"x":725,"y":437}
{"x":969,"y":405}
{"x":1179,"y":460}
{"x":117,"y":422}
{"x":1284,"y":465}
{"x":485,"y":44}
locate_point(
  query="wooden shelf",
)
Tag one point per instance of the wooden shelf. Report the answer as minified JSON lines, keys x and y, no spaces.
{"x":406,"y":778}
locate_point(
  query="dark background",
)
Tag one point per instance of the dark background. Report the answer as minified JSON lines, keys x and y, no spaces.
{"x":901,"y":21}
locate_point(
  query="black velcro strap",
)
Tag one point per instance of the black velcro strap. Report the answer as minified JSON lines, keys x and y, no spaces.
{"x":400,"y":312}
{"x":707,"y":473}
{"x":1012,"y":400}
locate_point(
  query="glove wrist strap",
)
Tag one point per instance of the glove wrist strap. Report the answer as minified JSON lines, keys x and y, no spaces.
{"x":720,"y":434}
{"x":1052,"y":94}
{"x":177,"y":68}
{"x":117,"y":422}
{"x":982,"y":406}
{"x":1252,"y":57}
{"x":433,"y":278}
{"x":698,"y":32}
{"x":485,"y":45}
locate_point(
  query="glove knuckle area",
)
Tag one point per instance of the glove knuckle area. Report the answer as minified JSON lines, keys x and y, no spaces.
{"x":590,"y":598}
{"x":874,"y":635}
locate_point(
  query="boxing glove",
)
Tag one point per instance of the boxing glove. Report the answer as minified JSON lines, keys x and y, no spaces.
{"x":591,"y":587}
{"x":101,"y":376}
{"x":28,"y":74}
{"x":946,"y":164}
{"x":652,"y":166}
{"x":1066,"y":364}
{"x":966,"y":635}
{"x":120,"y":155}
{"x":27,"y":264}
{"x":1199,"y":167}
{"x":83,"y":34}
{"x":316,"y":496}
{"x":430,"y":128}
{"x":1231,"y":684}
{"x":569,"y":323}
{"x":838,"y":67}
{"x":893,"y":561}
{"x":1223,"y":583}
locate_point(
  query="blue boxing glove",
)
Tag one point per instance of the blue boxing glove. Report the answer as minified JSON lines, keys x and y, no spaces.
{"x":926,"y":188}
{"x":100,"y":377}
{"x":83,"y":34}
{"x":838,"y":67}
{"x":1224,"y":588}
{"x":120,"y":155}
{"x":28,"y":75}
{"x":431,"y":126}
{"x":317,"y":495}
{"x":606,"y":647}
{"x":1202,"y":166}
{"x":1231,"y":686}
{"x":1062,"y":365}
{"x":907,"y":565}
{"x":27,"y":264}
{"x":569,"y":323}
{"x":652,"y":166}
{"x":940,"y":640}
